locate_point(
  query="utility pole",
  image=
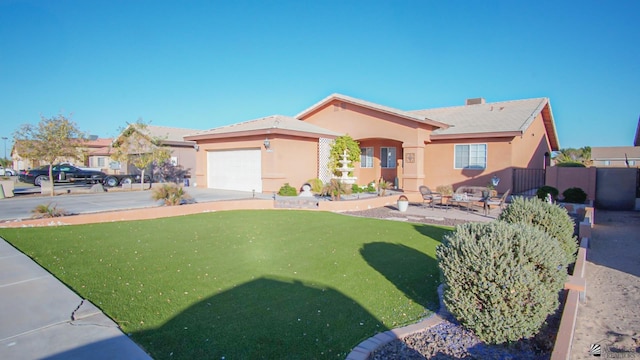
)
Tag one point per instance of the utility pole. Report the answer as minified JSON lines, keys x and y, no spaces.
{"x":5,"y":147}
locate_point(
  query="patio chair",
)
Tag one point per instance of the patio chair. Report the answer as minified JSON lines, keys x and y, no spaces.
{"x":428,"y":196}
{"x":499,"y":202}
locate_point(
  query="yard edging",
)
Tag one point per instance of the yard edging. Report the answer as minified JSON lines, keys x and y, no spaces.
{"x":576,"y":287}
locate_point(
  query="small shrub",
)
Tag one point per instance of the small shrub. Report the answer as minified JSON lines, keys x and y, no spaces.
{"x":445,"y":190}
{"x":356,"y":189}
{"x":49,"y":210}
{"x":287,"y":190}
{"x":544,"y":190}
{"x":316,"y":185}
{"x":170,"y":193}
{"x":574,"y":195}
{"x":551,"y":218}
{"x":570,"y":164}
{"x":371,"y":187}
{"x":501,"y":280}
{"x":335,"y":188}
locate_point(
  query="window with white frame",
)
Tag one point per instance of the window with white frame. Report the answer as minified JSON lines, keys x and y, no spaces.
{"x":366,"y":157}
{"x":470,"y":156}
{"x":631,"y":162}
{"x":101,"y":162}
{"x":388,"y":157}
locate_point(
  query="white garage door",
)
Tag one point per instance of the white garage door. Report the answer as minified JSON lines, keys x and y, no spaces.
{"x":235,"y":170}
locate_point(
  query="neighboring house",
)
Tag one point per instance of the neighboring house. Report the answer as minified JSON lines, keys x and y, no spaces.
{"x":93,"y":153}
{"x":616,"y":156}
{"x":456,"y":145}
{"x":183,"y":152}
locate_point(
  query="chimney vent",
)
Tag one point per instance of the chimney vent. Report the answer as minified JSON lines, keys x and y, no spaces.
{"x":475,"y":101}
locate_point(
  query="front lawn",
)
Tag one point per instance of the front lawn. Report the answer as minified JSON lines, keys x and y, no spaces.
{"x":246,"y":284}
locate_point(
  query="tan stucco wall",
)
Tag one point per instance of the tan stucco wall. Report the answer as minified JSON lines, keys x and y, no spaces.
{"x":503,"y":154}
{"x":366,"y":125}
{"x":290,"y":159}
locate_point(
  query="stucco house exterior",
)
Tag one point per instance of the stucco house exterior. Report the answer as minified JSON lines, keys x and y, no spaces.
{"x":460,"y":145}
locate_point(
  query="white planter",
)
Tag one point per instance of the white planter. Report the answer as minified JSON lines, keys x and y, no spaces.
{"x":403,"y":205}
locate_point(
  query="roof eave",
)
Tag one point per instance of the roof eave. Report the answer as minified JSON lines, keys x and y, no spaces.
{"x":497,"y":134}
{"x":326,"y":101}
{"x":261,"y":132}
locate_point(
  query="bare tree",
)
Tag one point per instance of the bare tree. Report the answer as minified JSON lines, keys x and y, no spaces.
{"x":136,"y":146}
{"x":51,"y":140}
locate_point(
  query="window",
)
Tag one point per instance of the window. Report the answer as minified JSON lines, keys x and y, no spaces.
{"x":100,"y":162}
{"x":472,"y":156}
{"x":366,"y":157}
{"x":388,"y":157}
{"x":631,"y":162}
{"x":606,"y":163}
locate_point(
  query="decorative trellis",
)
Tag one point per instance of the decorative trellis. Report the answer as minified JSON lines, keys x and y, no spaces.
{"x":324,"y":153}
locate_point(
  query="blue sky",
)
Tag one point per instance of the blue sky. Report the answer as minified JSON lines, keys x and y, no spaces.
{"x":204,"y":64}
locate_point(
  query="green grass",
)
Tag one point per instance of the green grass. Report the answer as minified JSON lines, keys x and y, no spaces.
{"x":246,"y":284}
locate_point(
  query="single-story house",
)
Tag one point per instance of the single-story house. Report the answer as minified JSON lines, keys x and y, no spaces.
{"x":183,"y":152}
{"x":616,"y":156}
{"x":460,"y":145}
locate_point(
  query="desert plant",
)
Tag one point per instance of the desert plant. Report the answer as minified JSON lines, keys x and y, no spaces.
{"x":170,"y":193}
{"x":335,"y":188}
{"x":574,"y":195}
{"x":551,"y":218}
{"x":501,"y":280}
{"x":445,"y":190}
{"x":316,"y":185}
{"x":546,"y":189}
{"x":383,"y":186}
{"x":49,"y":210}
{"x":287,"y":190}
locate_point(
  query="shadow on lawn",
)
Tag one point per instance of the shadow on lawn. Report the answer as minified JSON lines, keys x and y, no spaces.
{"x":392,"y":261}
{"x":264,"y":318}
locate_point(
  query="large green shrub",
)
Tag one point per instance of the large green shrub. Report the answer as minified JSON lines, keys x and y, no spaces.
{"x":570,"y":164}
{"x":287,"y":190}
{"x":549,"y":217}
{"x":574,"y":195}
{"x":544,"y":190}
{"x":501,"y":280}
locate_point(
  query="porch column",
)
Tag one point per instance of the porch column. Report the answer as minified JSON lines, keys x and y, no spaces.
{"x":413,"y":170}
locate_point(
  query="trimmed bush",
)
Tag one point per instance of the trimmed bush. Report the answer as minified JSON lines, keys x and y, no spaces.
{"x":356,"y":189}
{"x":544,"y":190}
{"x":551,"y":218}
{"x":574,"y":195}
{"x":287,"y":190}
{"x":570,"y":164}
{"x":501,"y":280}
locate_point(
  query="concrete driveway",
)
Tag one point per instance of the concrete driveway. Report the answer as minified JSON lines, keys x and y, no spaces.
{"x":19,"y":207}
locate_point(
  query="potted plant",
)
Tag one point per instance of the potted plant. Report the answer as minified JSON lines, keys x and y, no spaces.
{"x":403,"y":203}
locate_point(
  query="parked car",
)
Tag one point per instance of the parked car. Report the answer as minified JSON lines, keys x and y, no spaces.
{"x":7,"y":171}
{"x":62,"y":173}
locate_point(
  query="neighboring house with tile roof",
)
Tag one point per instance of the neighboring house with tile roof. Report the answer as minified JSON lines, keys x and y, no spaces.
{"x":462,"y":145}
{"x":183,"y":152}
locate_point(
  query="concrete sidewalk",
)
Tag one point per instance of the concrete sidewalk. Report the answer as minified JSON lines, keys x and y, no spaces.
{"x":40,"y":318}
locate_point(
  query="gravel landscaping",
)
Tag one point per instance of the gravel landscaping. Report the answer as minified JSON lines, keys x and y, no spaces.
{"x":448,"y":339}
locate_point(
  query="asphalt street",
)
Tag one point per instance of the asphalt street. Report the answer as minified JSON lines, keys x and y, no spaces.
{"x":20,"y":207}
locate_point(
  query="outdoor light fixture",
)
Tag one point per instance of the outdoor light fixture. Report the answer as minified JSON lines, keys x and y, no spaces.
{"x":495,"y":180}
{"x":267,"y":144}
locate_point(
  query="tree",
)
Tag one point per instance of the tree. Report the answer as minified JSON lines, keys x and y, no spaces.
{"x":51,"y":140}
{"x":571,"y":155}
{"x":136,"y":146}
{"x":339,"y":145}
